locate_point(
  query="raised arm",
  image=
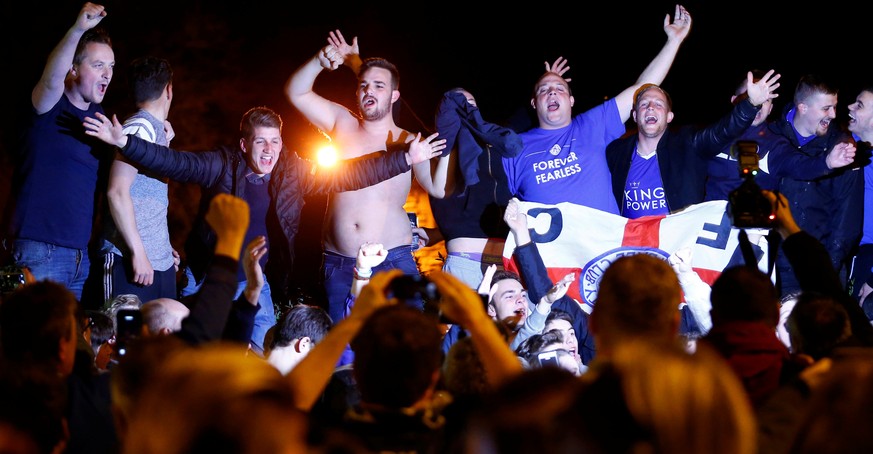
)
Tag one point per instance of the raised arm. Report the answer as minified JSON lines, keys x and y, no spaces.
{"x":241,"y":320}
{"x":461,"y":304}
{"x":309,"y":378}
{"x":50,"y":87}
{"x":657,"y":70}
{"x":349,"y":53}
{"x":210,"y":307}
{"x":322,"y":113}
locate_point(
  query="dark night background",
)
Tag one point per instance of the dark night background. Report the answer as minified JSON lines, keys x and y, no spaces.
{"x":232,"y":56}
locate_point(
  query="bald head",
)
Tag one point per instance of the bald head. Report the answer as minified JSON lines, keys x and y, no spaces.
{"x":164,"y":315}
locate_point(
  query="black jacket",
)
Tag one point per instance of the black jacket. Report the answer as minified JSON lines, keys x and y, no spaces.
{"x":683,"y":155}
{"x":224,"y":171}
{"x":829,"y":208}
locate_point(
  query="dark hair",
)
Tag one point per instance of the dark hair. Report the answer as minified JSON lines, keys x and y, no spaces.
{"x":558,"y":314}
{"x":817,"y":324}
{"x":397,"y":352}
{"x":102,"y":328}
{"x":261,"y":116}
{"x":743,"y":293}
{"x":463,"y":371}
{"x":148,"y":77}
{"x":94,"y":35}
{"x":300,"y":321}
{"x":501,"y":275}
{"x":375,"y":62}
{"x":34,"y":318}
{"x":812,"y":84}
{"x":529,"y":348}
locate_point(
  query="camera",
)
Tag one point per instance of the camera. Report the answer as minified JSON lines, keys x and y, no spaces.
{"x":11,"y":277}
{"x":409,"y":287}
{"x":129,"y":327}
{"x":747,"y":206}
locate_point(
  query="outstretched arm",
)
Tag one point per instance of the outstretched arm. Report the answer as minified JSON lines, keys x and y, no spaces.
{"x":657,"y":69}
{"x":50,"y":87}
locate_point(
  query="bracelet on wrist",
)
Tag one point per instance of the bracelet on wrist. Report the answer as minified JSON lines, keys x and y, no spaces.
{"x":363,"y":274}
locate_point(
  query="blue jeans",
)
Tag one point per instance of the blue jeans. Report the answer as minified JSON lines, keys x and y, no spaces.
{"x":338,"y":271}
{"x":264,"y":319}
{"x":56,"y":263}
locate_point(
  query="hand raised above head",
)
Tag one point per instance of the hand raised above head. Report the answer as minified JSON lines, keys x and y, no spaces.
{"x":559,"y":67}
{"x":458,"y":301}
{"x":680,"y":26}
{"x":487,"y":277}
{"x":764,"y":89}
{"x":329,"y":58}
{"x":559,"y":289}
{"x":228,"y":215}
{"x":255,"y":251}
{"x":344,"y":49}
{"x":90,"y":15}
{"x":514,"y":216}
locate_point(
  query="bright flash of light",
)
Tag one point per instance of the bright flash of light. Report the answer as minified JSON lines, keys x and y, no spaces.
{"x":327,"y":156}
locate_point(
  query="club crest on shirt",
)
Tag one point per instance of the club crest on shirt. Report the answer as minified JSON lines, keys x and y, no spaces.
{"x":555,"y":150}
{"x":589,"y":277}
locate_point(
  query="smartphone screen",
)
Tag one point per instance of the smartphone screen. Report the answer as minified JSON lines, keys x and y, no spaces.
{"x":129,"y":326}
{"x":413,"y":222}
{"x":548,"y":358}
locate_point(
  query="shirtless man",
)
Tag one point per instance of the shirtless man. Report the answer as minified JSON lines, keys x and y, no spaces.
{"x":374,"y":214}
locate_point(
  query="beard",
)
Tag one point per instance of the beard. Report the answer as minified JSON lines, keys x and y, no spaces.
{"x":375,"y":114}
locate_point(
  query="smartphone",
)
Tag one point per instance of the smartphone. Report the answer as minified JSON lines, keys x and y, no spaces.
{"x":413,"y":222}
{"x":548,"y":358}
{"x":129,"y":327}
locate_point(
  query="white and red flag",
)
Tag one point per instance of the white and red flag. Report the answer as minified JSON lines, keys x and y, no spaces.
{"x":585,"y":241}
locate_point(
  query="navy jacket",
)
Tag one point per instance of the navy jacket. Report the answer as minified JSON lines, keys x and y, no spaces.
{"x":475,"y":209}
{"x":829,"y":208}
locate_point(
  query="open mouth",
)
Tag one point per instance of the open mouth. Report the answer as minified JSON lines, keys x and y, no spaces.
{"x":651,"y":119}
